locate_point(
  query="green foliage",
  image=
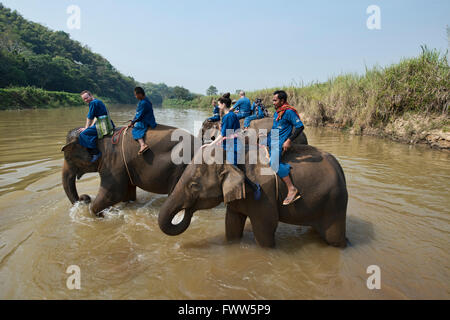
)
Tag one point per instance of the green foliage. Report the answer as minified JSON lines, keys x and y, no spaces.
{"x":33,"y":55}
{"x":179,"y":103}
{"x":212,"y":91}
{"x":160,"y":92}
{"x":31,"y":97}
{"x":182,"y":93}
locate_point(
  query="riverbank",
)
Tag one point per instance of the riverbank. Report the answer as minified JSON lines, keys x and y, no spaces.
{"x":31,"y":97}
{"x":406,"y":102}
{"x":36,"y":98}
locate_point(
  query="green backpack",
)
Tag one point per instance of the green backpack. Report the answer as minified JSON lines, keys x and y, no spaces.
{"x":104,"y":126}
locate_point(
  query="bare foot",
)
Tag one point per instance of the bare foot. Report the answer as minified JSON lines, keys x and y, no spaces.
{"x":292,"y":196}
{"x":144,"y":148}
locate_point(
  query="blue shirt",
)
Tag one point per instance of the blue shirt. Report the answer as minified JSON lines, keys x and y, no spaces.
{"x":144,"y":114}
{"x":96,"y":109}
{"x":216,"y":111}
{"x":229,"y":122}
{"x":243,"y":105}
{"x":285,"y":125}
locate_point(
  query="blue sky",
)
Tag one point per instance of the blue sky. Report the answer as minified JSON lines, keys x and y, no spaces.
{"x":247,"y":44}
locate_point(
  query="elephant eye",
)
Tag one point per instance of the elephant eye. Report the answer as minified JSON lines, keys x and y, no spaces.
{"x":194,"y":186}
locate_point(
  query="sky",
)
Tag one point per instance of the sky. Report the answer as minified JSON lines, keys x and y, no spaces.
{"x":246,"y":44}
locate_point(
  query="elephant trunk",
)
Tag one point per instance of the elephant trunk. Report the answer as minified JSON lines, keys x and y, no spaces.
{"x":68,"y":180}
{"x":168,"y":211}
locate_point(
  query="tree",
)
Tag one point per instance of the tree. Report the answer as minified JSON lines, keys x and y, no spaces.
{"x":182,"y":93}
{"x":212,"y":91}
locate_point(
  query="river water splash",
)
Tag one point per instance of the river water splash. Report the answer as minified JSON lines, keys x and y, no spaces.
{"x":398,"y":219}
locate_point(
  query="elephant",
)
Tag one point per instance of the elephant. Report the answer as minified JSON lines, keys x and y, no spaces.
{"x":317,"y":174}
{"x":211,"y":130}
{"x":153,"y":172}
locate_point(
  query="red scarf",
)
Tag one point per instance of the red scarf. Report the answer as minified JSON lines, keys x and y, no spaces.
{"x":283,"y":109}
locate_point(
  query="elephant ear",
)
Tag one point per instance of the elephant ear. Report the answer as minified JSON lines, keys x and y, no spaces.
{"x":69,"y":145}
{"x":233,"y":183}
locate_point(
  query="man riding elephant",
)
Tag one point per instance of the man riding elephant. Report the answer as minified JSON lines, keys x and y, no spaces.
{"x":242,"y":106}
{"x":121,"y":169}
{"x":98,"y":125}
{"x":285,"y":120}
{"x":143,"y":120}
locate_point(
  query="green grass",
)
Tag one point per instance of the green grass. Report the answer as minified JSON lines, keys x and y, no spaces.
{"x":31,"y":97}
{"x":36,"y":98}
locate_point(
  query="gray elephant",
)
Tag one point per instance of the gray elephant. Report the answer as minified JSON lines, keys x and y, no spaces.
{"x":153,"y":172}
{"x":316,"y":173}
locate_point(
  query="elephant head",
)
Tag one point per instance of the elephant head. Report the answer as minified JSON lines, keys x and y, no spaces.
{"x":202,"y":186}
{"x":76,"y":164}
{"x":209,"y":131}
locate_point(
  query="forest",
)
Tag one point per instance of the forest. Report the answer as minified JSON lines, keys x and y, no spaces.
{"x":33,"y":56}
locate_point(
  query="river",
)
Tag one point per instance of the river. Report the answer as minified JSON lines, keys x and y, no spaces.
{"x":397,"y":219}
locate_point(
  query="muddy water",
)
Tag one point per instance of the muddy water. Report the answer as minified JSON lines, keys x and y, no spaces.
{"x":398,"y":219}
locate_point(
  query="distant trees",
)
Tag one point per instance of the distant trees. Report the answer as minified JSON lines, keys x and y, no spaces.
{"x":212,"y":91}
{"x":182,"y":93}
{"x":33,"y":55}
{"x":159,"y":92}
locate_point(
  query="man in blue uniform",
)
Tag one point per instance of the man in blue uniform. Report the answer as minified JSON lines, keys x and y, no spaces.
{"x":257,"y":113}
{"x":285,"y":120}
{"x":243,"y":106}
{"x":216,"y":112}
{"x":143,"y":120}
{"x":98,"y":115}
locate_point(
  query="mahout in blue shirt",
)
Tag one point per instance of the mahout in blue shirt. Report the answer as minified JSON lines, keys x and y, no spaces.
{"x":144,"y":119}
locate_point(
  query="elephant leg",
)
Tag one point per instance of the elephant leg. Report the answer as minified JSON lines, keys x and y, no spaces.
{"x":234,"y":224}
{"x":107,"y":198}
{"x":334,"y":233}
{"x":264,"y":230}
{"x":131,"y":193}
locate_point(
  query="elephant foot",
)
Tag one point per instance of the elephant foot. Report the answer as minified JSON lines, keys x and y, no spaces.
{"x":100,"y":214}
{"x":85,"y":199}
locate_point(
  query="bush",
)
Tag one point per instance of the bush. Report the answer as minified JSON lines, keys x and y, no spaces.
{"x":31,"y":97}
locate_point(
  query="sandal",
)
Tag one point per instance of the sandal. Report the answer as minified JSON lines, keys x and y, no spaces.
{"x":144,"y":151}
{"x":291,"y":200}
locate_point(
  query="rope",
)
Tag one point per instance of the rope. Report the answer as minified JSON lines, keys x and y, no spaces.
{"x":274,"y":173}
{"x":115,"y":140}
{"x":116,"y":135}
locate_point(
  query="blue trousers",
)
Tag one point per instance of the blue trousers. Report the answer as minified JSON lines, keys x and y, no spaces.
{"x":88,"y":138}
{"x":250,"y":119}
{"x":242,"y":115}
{"x":282,"y":169}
